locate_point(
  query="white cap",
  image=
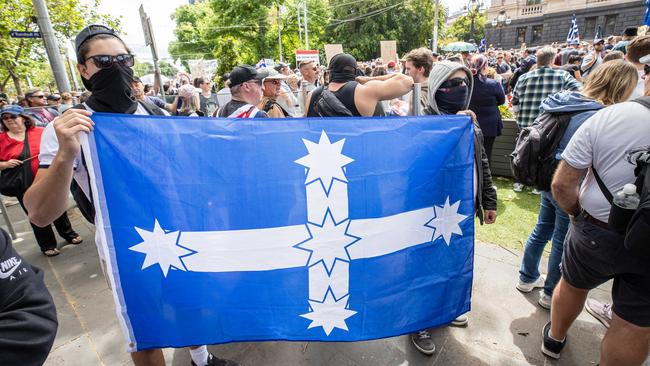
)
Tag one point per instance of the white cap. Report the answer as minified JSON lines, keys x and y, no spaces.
{"x":629,"y":189}
{"x":645,"y":59}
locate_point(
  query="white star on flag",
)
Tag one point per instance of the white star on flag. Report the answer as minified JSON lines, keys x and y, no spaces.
{"x":446,"y":222}
{"x":160,"y":248}
{"x":325,"y":160}
{"x":329,"y":314}
{"x":328,"y":242}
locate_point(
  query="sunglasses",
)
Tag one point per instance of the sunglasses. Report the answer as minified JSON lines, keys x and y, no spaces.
{"x":107,"y":61}
{"x":274,"y":82}
{"x":37,"y":96}
{"x":8,"y":117}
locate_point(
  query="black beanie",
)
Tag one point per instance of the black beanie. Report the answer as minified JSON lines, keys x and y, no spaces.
{"x":342,"y":68}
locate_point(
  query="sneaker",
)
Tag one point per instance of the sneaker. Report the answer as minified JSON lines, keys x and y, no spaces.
{"x":517,"y":187}
{"x":536,"y":191}
{"x":545,"y":301}
{"x":530,"y":286}
{"x":423,"y":342}
{"x":461,"y":321}
{"x":599,"y":310}
{"x":551,"y":347}
{"x":215,"y":361}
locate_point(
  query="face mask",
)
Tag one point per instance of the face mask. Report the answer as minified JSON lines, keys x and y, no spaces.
{"x":451,"y":100}
{"x":343,"y":68}
{"x":111,"y":90}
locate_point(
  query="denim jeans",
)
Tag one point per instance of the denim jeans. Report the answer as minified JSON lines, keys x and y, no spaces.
{"x":552,"y":224}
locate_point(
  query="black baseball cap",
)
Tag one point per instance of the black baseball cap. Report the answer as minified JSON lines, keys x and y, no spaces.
{"x":631,"y":32}
{"x":244,"y":73}
{"x":90,"y":32}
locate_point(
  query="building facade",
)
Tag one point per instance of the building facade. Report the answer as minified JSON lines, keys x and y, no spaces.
{"x":540,"y":22}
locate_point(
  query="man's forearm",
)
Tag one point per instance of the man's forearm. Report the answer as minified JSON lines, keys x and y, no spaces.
{"x":47,"y":198}
{"x":567,"y":198}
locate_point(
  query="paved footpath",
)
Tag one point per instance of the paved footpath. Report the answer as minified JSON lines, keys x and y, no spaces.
{"x":504,"y":329}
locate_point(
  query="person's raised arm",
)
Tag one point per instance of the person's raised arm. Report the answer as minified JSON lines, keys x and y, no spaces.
{"x":47,"y":198}
{"x":385,"y":87}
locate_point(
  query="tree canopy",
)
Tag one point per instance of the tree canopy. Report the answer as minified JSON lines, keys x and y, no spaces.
{"x":239,"y":31}
{"x":24,"y":58}
{"x":460,"y":29}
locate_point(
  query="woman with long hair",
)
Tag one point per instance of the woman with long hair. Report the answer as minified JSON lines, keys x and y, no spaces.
{"x":610,"y":83}
{"x":17,"y":129}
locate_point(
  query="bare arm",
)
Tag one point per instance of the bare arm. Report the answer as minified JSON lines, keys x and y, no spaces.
{"x":566,"y":187}
{"x":385,"y":87}
{"x":47,"y":198}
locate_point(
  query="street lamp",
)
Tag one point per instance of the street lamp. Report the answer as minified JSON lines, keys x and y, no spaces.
{"x":499,"y":22}
{"x":473,"y":8}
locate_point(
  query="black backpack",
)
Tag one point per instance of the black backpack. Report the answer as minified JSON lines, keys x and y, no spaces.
{"x":533,"y":160}
{"x":326,"y":104}
{"x":638,"y":227}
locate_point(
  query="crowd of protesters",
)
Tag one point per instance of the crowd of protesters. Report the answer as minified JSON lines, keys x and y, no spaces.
{"x":595,"y":82}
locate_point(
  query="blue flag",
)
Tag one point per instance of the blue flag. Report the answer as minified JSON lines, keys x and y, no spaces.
{"x":646,"y":18}
{"x":337,"y":229}
{"x":574,"y":34}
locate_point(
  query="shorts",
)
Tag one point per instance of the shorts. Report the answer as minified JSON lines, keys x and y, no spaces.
{"x":593,"y":255}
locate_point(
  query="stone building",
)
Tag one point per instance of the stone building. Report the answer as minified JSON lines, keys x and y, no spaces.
{"x":537,"y":22}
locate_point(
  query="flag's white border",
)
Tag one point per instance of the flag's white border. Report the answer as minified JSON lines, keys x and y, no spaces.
{"x":102,"y":221}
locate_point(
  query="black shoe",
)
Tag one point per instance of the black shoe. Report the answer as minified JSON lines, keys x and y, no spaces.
{"x":551,"y":347}
{"x":215,"y":361}
{"x":423,"y":342}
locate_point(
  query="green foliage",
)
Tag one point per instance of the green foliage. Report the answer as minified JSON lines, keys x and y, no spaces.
{"x":360,"y":26}
{"x":22,"y":58}
{"x":460,"y":29}
{"x":167,"y":69}
{"x":142,"y":68}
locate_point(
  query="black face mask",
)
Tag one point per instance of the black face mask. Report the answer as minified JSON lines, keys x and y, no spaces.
{"x":111,"y":90}
{"x":452,"y":100}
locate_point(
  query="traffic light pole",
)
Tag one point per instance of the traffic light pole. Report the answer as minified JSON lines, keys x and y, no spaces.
{"x":51,"y":46}
{"x":434,"y":47}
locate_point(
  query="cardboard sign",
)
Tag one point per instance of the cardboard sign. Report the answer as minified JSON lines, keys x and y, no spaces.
{"x":332,"y":50}
{"x":389,"y":51}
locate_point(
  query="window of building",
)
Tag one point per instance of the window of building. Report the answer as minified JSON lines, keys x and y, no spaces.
{"x":590,"y":27}
{"x":521,"y":35}
{"x":533,"y":2}
{"x":537,"y":33}
{"x":610,"y":25}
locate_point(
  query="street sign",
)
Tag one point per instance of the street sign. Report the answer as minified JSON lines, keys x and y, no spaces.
{"x":19,"y":34}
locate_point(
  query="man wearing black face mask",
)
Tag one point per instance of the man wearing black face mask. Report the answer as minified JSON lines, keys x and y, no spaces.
{"x":348,"y":95}
{"x":450,"y":91}
{"x":105,"y":65}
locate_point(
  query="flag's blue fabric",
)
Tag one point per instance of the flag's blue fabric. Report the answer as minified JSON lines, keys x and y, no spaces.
{"x":646,"y":18}
{"x":338,"y":229}
{"x":574,"y":33}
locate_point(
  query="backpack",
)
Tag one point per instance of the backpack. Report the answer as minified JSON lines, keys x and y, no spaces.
{"x":84,"y":203}
{"x":638,"y":228}
{"x":328,"y":105}
{"x":533,"y":160}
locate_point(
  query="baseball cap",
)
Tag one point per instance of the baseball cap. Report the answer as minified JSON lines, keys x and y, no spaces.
{"x":90,"y":32}
{"x":280,"y":66}
{"x":274,"y":75}
{"x":573,"y":41}
{"x":14,"y":110}
{"x":53,"y":97}
{"x":244,"y":73}
{"x":391,"y":64}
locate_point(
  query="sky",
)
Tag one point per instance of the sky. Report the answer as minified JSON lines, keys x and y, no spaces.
{"x":160,"y":12}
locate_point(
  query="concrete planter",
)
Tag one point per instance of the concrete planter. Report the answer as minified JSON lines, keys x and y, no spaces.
{"x":503,"y":147}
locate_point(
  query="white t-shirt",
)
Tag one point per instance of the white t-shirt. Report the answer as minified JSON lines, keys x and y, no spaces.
{"x":49,"y":148}
{"x":608,"y":141}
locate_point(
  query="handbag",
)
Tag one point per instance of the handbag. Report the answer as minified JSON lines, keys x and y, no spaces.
{"x":15,"y":181}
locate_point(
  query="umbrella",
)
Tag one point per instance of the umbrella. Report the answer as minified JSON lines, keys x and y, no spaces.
{"x":459,"y":47}
{"x":148,"y":79}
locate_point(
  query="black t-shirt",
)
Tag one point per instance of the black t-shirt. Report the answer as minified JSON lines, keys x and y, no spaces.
{"x":209,"y":104}
{"x":234,"y":105}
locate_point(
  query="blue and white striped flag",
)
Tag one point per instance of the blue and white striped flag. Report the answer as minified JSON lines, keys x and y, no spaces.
{"x":646,"y":19}
{"x":329,"y":229}
{"x":599,"y":34}
{"x":574,"y":35}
